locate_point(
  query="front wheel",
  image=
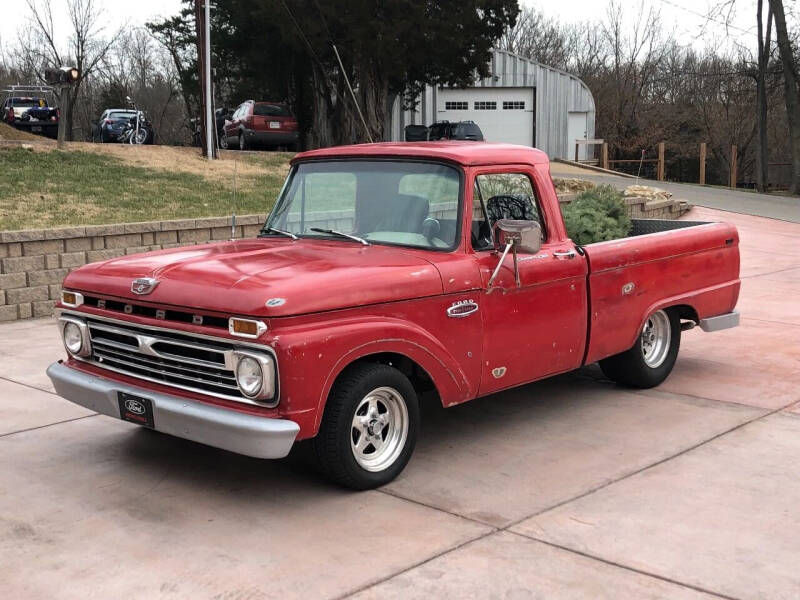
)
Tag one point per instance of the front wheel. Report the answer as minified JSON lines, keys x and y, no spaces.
{"x":139,"y":137}
{"x":369,"y":427}
{"x":652,"y":357}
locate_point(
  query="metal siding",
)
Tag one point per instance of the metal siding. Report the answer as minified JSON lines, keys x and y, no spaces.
{"x":557,"y":94}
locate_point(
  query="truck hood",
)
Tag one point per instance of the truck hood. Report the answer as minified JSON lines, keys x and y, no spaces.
{"x":265,"y":277}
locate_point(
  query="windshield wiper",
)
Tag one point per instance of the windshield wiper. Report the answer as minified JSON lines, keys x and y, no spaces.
{"x":280,"y":231}
{"x":340,"y":234}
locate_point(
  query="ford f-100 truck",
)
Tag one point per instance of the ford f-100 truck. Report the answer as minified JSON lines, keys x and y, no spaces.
{"x":384,"y":272}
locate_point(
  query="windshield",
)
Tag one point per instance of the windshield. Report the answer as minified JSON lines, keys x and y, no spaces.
{"x":392,"y":202}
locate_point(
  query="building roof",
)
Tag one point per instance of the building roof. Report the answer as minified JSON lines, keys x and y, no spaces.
{"x":460,"y":152}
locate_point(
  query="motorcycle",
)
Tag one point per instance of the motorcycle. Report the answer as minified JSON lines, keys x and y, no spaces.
{"x":137,"y":130}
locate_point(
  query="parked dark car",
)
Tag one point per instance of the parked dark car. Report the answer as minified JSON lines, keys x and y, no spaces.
{"x":260,"y":124}
{"x":112,"y":124}
{"x":458,"y":130}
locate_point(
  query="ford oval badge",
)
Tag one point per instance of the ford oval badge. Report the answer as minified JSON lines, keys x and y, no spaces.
{"x":144,"y":285}
{"x":134,"y":406}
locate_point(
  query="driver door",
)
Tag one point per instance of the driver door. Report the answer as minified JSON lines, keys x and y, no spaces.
{"x":539,"y":328}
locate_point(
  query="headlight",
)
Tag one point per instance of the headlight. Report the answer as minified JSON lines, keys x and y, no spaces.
{"x":75,"y":334}
{"x":255,"y":375}
{"x":73,"y":339}
{"x":249,"y":376}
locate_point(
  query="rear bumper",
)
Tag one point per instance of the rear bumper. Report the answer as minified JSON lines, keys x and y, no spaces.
{"x":720,"y":322}
{"x":271,"y":137}
{"x":251,"y":435}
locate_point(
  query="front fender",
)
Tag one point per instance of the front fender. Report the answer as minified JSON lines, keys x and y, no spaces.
{"x":312,"y":356}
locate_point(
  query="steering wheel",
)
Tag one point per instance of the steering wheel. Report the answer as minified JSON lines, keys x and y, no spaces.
{"x":431,"y":228}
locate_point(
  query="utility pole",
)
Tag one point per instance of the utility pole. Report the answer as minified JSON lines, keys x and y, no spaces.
{"x":210,"y":125}
{"x":202,"y":13}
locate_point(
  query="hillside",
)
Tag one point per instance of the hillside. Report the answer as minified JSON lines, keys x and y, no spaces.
{"x":9,"y":133}
{"x":112,"y":183}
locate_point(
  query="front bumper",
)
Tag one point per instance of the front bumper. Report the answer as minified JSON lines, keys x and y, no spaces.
{"x":251,"y":435}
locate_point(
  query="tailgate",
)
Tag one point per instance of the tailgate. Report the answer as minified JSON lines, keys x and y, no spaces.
{"x":685,"y":263}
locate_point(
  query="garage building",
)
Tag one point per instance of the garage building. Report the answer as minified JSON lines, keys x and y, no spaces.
{"x":521,"y":102}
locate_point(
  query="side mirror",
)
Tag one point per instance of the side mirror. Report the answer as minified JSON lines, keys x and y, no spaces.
{"x":522,"y":236}
{"x":526,"y":236}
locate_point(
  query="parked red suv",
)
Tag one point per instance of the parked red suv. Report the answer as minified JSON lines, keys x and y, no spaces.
{"x":260,"y":123}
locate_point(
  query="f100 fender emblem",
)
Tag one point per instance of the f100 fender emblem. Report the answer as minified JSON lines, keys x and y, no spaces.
{"x":462,"y":308}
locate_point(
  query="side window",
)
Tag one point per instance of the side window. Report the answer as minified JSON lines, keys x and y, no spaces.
{"x":502,"y":196}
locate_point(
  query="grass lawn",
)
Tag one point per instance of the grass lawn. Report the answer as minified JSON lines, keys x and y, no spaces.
{"x":98,"y":184}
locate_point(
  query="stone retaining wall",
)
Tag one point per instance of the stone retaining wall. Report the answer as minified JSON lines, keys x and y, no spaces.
{"x":34,"y":263}
{"x":645,"y":208}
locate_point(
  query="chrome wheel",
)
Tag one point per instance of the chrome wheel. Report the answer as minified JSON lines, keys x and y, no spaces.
{"x":379,"y":429}
{"x":655,"y":339}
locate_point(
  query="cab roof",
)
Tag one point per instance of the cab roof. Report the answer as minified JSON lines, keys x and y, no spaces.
{"x":461,"y":152}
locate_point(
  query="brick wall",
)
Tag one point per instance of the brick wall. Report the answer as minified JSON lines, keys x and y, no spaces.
{"x":34,"y":263}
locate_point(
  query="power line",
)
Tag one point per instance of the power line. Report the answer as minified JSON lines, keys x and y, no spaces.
{"x":708,"y":18}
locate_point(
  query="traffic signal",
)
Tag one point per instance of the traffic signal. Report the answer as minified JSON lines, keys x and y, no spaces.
{"x":62,"y":76}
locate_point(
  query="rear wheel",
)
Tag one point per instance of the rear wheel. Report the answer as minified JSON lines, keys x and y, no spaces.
{"x":652,"y":357}
{"x":369,"y":427}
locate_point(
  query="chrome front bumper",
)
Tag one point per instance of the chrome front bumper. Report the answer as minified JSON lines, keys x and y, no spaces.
{"x":251,"y":435}
{"x":720,"y":322}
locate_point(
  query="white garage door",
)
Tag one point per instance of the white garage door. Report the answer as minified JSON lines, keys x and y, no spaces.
{"x":503,"y":114}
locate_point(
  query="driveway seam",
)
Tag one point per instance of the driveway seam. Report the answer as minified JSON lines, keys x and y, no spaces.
{"x":28,"y":385}
{"x":625,"y":567}
{"x":394,"y":494}
{"x":794,"y":268}
{"x":10,"y":433}
{"x":773,"y":322}
{"x":415,"y":565}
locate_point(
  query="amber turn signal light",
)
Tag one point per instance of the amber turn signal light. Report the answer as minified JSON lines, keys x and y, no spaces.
{"x":249,"y":328}
{"x":71,"y":299}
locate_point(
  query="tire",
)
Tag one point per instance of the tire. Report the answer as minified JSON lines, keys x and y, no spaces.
{"x":243,"y":145}
{"x":369,"y":402}
{"x":652,"y":357}
{"x":223,"y":141}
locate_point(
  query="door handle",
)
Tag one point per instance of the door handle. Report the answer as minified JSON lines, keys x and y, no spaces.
{"x":568,"y":254}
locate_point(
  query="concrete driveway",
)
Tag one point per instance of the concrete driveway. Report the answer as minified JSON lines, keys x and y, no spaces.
{"x":568,"y":488}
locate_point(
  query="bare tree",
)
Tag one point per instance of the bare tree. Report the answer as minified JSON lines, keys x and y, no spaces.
{"x":39,"y":47}
{"x":791,"y":90}
{"x":539,"y":38}
{"x":764,"y":55}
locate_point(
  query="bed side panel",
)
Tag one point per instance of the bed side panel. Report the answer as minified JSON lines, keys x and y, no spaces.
{"x":630,"y":278}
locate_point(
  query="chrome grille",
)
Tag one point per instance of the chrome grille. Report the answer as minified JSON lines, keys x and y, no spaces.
{"x":165,"y":357}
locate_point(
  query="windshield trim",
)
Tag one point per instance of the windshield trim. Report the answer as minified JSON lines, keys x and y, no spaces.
{"x":459,"y":212}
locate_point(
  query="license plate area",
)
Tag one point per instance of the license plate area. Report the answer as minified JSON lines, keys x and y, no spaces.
{"x":274,"y":124}
{"x":36,"y":128}
{"x":136,"y":409}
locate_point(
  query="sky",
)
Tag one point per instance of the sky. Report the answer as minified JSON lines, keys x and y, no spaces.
{"x":686,"y":16}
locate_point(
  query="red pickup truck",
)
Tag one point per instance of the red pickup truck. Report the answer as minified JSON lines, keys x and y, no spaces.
{"x":384,"y":272}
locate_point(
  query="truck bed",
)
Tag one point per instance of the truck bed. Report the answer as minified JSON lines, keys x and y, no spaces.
{"x":663,"y":263}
